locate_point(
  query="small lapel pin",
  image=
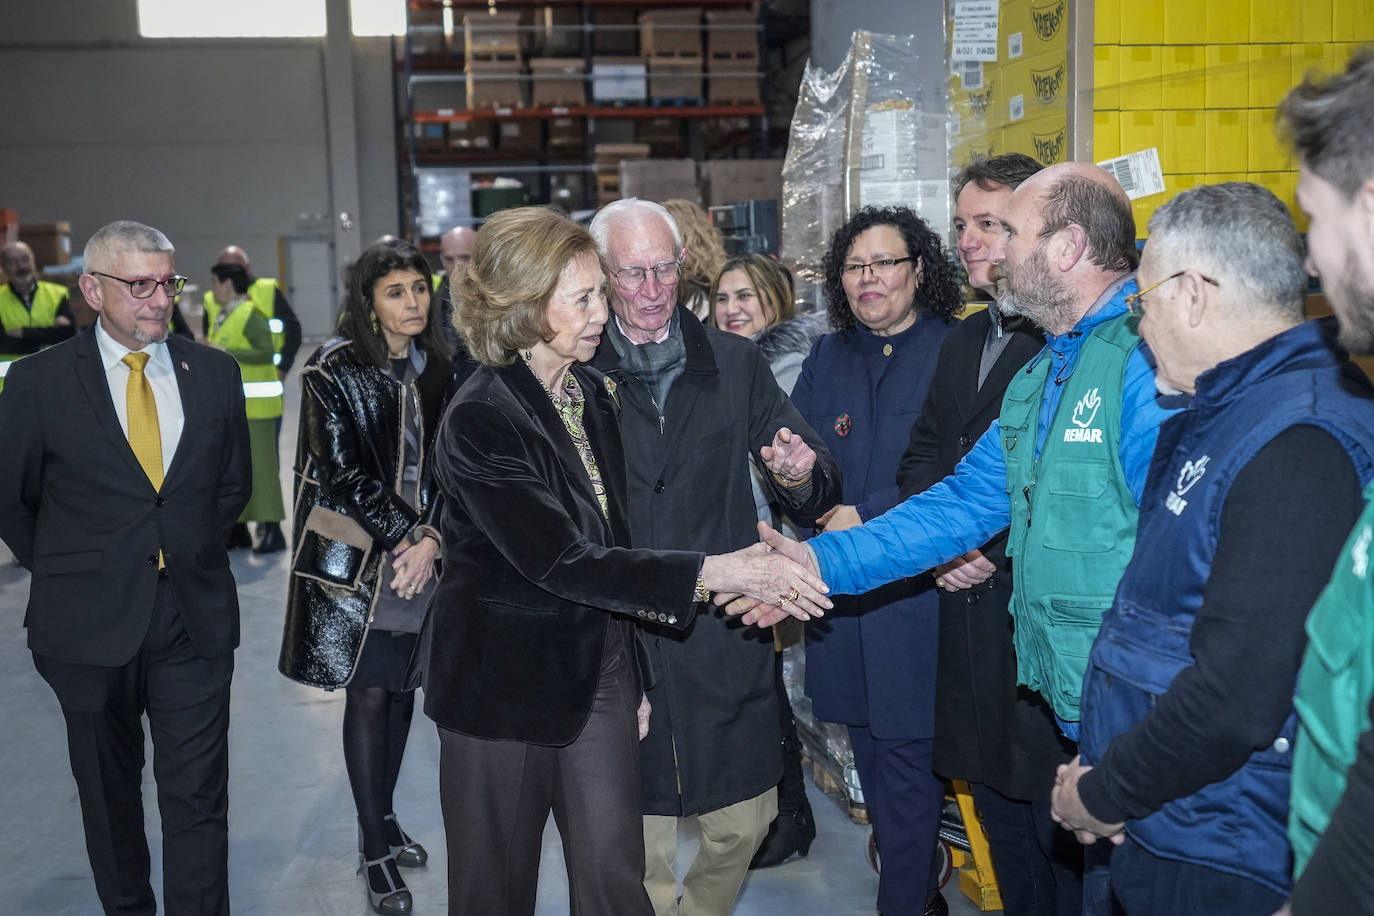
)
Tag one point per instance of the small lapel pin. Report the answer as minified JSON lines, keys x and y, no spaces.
{"x":184,"y":367}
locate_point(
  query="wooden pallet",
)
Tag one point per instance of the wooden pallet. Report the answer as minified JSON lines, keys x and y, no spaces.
{"x":679,"y":54}
{"x":495,"y":52}
{"x":830,"y":784}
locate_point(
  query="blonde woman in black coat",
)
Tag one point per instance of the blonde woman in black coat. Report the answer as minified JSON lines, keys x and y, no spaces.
{"x":534,"y":671}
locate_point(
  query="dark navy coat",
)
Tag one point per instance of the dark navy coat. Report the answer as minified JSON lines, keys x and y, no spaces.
{"x":871,"y":660}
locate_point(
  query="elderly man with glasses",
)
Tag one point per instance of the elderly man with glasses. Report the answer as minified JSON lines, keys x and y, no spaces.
{"x":1188,"y":722}
{"x":125,"y":464}
{"x":700,"y":405}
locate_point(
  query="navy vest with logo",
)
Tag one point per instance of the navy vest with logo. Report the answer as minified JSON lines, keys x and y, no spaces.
{"x":1238,"y":825}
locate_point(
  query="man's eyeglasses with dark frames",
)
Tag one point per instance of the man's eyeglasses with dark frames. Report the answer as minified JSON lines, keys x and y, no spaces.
{"x":144,"y":287}
{"x":1135,"y":301}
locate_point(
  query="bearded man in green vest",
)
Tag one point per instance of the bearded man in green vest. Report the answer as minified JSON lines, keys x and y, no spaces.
{"x":33,"y":313}
{"x":1063,"y":468}
{"x":1332,"y":798}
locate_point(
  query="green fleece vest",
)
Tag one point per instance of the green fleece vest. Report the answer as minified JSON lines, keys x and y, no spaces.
{"x":1334,"y":688}
{"x":262,"y":388}
{"x":1073,"y":517}
{"x":263,"y":294}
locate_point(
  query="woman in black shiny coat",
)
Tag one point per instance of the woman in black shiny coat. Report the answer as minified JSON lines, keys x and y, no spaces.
{"x":366,"y":540}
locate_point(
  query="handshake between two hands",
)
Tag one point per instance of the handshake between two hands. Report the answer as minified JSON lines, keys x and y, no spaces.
{"x":768,"y":581}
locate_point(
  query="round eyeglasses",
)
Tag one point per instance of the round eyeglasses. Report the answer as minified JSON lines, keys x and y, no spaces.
{"x":632,"y":278}
{"x":144,"y":287}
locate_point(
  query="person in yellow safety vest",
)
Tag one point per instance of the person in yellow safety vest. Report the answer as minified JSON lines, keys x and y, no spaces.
{"x":33,"y":313}
{"x":240,"y":330}
{"x":455,"y":251}
{"x":267,"y":298}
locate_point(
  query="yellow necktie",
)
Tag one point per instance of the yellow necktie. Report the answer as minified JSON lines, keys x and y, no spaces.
{"x":144,"y":436}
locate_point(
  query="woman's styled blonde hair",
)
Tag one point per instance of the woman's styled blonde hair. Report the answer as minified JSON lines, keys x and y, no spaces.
{"x":517,"y":259}
{"x":704,"y":243}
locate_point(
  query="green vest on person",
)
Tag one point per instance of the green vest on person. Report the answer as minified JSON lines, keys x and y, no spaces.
{"x":1073,"y":517}
{"x":46,"y":300}
{"x":262,"y":388}
{"x":263,"y":294}
{"x":1334,"y":688}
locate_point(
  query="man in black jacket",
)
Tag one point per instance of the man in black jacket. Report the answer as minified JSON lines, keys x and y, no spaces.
{"x":125,"y":465}
{"x":997,"y":736}
{"x":698,"y":405}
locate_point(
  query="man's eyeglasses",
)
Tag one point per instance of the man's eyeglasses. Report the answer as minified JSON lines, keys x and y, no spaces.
{"x":632,"y":278}
{"x":1135,"y":303}
{"x":880,"y":268}
{"x":144,"y":287}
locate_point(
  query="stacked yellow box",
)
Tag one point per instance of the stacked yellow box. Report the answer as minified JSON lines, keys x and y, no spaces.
{"x":1200,"y":82}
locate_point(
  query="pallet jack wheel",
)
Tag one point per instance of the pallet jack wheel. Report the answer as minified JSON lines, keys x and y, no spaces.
{"x":942,"y":850}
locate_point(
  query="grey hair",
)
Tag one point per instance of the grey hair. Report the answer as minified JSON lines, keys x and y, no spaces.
{"x":630,"y":209}
{"x":121,"y":236}
{"x":1329,"y":124}
{"x":1240,"y":235}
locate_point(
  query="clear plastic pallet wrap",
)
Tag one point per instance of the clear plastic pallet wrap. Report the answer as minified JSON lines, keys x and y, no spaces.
{"x":873,"y":132}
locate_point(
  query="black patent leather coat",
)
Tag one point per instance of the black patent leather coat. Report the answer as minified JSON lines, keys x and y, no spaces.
{"x":348,"y":464}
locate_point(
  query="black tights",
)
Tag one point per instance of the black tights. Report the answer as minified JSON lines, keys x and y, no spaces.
{"x":375,"y":727}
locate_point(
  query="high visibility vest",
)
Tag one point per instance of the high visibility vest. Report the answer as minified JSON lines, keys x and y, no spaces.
{"x":262,"y":389}
{"x":46,"y":300}
{"x":263,"y":294}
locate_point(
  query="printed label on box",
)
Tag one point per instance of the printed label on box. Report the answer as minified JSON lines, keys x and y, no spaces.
{"x":1017,"y":107}
{"x":1014,"y":46}
{"x":975,"y":30}
{"x":1138,"y":173}
{"x":971,"y":74}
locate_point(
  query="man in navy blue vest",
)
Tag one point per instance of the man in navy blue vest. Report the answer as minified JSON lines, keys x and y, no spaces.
{"x":1188,"y":723}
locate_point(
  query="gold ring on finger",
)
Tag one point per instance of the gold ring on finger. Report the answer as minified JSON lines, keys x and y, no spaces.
{"x":793,"y":595}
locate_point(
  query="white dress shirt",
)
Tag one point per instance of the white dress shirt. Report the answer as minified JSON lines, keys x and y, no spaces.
{"x":161,"y":377}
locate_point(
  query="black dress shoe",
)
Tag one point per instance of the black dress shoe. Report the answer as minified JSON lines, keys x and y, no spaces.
{"x":790,"y":834}
{"x":271,"y":540}
{"x":239,"y":538}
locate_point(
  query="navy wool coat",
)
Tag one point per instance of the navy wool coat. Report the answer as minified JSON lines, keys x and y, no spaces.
{"x":871,"y":660}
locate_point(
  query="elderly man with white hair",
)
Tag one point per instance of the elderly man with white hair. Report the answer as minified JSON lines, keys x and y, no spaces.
{"x":1188,"y":722}
{"x":698,"y":406}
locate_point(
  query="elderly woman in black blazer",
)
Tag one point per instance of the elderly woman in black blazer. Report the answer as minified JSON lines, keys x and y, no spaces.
{"x":533,"y":669}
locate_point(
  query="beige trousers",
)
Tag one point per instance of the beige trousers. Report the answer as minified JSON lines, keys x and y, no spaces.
{"x":729,"y":838}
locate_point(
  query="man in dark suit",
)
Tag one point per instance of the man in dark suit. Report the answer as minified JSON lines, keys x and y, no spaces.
{"x":125,"y":465}
{"x":999,"y":737}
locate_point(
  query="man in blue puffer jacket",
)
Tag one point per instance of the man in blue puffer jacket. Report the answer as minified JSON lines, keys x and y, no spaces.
{"x":1064,"y":466}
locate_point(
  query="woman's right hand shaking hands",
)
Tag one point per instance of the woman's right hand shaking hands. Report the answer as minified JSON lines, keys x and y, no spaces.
{"x":768,"y":581}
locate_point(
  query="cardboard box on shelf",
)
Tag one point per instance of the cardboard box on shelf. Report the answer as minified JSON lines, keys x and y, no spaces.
{"x":671,"y":32}
{"x":733,"y":81}
{"x":1029,"y":28}
{"x":660,"y":179}
{"x":1228,"y":141}
{"x":729,"y":180}
{"x":1106,"y":135}
{"x":1226,"y":22}
{"x":51,"y":242}
{"x":982,"y":145}
{"x":430,"y":138}
{"x":1227,"y":81}
{"x":1107,"y":78}
{"x":426,"y":32}
{"x":619,"y":79}
{"x":1265,"y":152}
{"x":981,"y":108}
{"x":495,"y":84}
{"x":1141,"y":68}
{"x":1271,"y":72}
{"x":675,"y":78}
{"x":559,"y":31}
{"x":519,"y":135}
{"x":732,"y":32}
{"x":1142,"y":21}
{"x":1182,"y":77}
{"x":567,"y":135}
{"x":557,"y":81}
{"x":491,"y":35}
{"x":1184,"y":146}
{"x":614,"y":30}
{"x":471,"y":136}
{"x":1035,"y":87}
{"x":659,"y":132}
{"x":1044,"y":138}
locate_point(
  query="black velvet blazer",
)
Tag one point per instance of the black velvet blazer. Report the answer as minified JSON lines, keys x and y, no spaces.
{"x":513,"y":642}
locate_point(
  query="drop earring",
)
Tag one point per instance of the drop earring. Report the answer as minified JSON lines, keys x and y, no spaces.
{"x":526,"y":355}
{"x":375,"y":326}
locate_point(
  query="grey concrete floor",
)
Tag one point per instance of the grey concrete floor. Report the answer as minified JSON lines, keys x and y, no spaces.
{"x":292,"y":823}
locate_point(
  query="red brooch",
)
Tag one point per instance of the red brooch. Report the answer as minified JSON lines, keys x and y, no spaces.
{"x":843,"y":425}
